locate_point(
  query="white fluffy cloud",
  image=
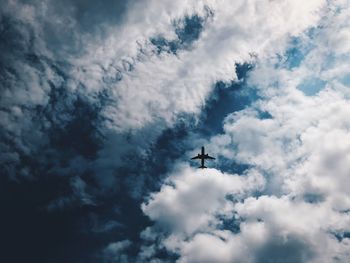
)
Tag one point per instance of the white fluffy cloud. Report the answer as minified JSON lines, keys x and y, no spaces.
{"x":274,"y":230}
{"x":118,"y":62}
{"x":163,"y":86}
{"x":192,"y":198}
{"x":296,"y":135}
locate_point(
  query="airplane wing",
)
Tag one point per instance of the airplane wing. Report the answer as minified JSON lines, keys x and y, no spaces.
{"x":209,"y":157}
{"x":196,"y":157}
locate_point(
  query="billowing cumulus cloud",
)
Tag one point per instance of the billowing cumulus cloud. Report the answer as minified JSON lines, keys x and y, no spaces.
{"x":295,"y":135}
{"x":102,"y":103}
{"x":191,"y":200}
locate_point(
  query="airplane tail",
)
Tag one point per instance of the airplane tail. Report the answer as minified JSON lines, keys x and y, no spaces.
{"x":202,"y":166}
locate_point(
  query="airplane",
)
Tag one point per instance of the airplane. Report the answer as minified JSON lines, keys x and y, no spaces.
{"x":203,"y":156}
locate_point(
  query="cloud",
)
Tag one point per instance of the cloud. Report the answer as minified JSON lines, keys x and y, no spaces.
{"x":160,"y":86}
{"x":114,"y":252}
{"x":297,"y":142}
{"x":191,"y":206}
{"x":87,"y":93}
{"x":78,"y":196}
{"x":118,"y":72}
{"x":191,"y":198}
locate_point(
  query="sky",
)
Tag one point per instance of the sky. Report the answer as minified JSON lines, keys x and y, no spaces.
{"x":103,"y":103}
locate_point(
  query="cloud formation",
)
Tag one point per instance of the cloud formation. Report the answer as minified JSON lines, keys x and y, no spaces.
{"x":101,"y":104}
{"x":296,"y":140}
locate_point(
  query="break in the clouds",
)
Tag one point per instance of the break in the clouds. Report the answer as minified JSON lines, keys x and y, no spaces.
{"x":294,"y":136}
{"x":102,"y":104}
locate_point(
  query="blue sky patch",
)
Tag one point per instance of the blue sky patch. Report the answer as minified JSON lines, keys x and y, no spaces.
{"x":311,"y":86}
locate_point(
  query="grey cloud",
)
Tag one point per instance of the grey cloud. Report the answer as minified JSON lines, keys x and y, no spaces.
{"x":90,"y":14}
{"x":78,"y":197}
{"x":289,"y":249}
{"x":114,"y":252}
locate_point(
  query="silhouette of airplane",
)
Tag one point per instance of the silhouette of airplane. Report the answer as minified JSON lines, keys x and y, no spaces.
{"x":203,"y":156}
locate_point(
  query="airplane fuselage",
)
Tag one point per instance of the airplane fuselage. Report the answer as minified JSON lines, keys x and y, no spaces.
{"x":202,"y":156}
